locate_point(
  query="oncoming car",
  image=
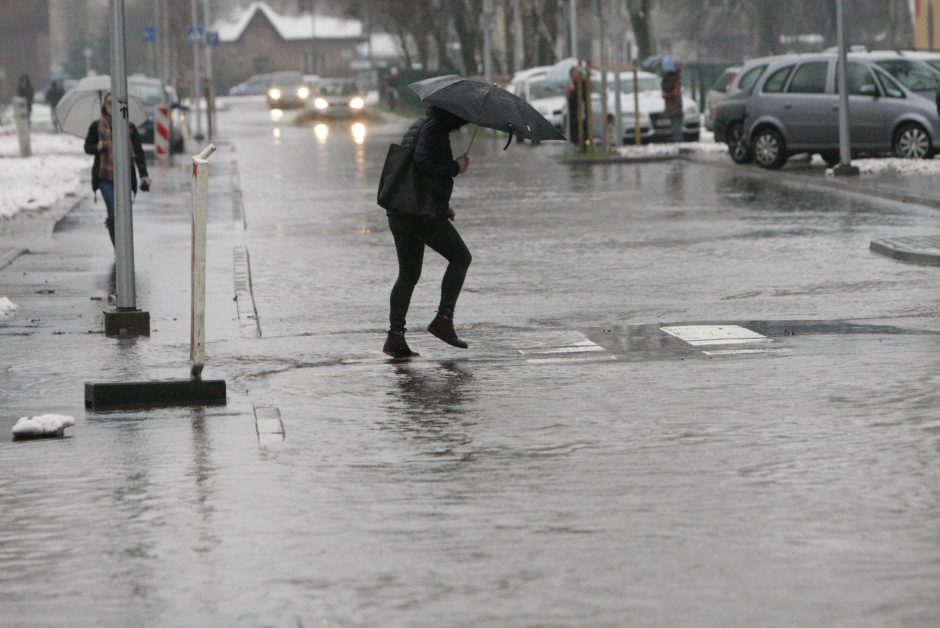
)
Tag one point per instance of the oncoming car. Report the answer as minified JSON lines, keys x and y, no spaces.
{"x":287,"y":90}
{"x":336,"y":98}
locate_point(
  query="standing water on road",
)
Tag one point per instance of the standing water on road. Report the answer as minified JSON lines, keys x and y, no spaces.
{"x":576,"y":466}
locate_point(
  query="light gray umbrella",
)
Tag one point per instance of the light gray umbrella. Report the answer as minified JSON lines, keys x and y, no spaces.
{"x":81,"y":105}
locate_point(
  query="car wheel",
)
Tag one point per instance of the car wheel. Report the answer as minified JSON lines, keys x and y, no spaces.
{"x":737,"y":146}
{"x":912,"y":142}
{"x":831,"y":158}
{"x":770,"y":151}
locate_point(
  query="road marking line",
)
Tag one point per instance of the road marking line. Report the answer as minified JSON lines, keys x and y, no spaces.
{"x":542,"y":342}
{"x":743,"y":351}
{"x":706,"y":335}
{"x":568,"y":360}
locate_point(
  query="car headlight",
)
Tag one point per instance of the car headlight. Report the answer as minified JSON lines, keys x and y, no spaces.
{"x":303,"y":92}
{"x":274,"y":93}
{"x":320,"y":103}
{"x":691,"y":110}
{"x":356,"y":103}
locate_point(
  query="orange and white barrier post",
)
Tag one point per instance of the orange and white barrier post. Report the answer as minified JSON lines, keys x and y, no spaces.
{"x":161,"y":131}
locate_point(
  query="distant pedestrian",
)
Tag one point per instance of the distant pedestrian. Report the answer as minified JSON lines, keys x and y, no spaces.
{"x":671,"y":86}
{"x":53,"y":95}
{"x":98,"y":142}
{"x":435,"y":165}
{"x":391,"y":89}
{"x":24,"y":89}
{"x":577,"y":97}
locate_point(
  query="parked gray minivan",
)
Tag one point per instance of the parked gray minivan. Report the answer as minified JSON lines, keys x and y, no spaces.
{"x":794,"y":107}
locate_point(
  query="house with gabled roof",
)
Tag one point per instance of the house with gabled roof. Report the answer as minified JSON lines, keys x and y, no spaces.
{"x":259,"y":40}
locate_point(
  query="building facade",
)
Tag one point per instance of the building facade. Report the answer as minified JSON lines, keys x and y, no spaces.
{"x":261,"y":40}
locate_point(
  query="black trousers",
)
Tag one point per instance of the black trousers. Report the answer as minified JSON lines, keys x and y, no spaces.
{"x":411,"y":236}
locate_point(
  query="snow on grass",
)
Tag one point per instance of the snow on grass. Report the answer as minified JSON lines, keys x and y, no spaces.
{"x":55,"y":170}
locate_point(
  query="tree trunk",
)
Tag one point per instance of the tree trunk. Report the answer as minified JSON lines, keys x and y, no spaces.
{"x":642,"y":23}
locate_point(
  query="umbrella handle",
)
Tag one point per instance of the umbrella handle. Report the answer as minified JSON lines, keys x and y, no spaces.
{"x":476,"y":127}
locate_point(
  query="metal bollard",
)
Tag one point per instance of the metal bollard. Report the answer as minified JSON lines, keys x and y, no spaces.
{"x":21,"y":113}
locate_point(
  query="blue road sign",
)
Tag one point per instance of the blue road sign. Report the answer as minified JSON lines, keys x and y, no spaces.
{"x":150,"y":33}
{"x":194,"y":34}
{"x":212,"y":38}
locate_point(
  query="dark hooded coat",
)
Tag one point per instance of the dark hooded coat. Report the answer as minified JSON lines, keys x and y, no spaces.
{"x":433,"y":157}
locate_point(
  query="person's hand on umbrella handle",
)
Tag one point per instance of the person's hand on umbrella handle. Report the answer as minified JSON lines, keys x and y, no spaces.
{"x":463,"y":162}
{"x":451,"y":215}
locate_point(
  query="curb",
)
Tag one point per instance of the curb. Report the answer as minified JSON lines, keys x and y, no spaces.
{"x":7,"y":255}
{"x":568,"y":161}
{"x":828,"y":183}
{"x":923,"y":250}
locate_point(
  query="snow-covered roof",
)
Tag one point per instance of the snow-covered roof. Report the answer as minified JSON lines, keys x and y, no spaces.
{"x":289,"y":27}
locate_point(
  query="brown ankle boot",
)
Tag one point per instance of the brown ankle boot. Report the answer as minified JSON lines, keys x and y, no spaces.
{"x":396,"y":347}
{"x":443,"y":327}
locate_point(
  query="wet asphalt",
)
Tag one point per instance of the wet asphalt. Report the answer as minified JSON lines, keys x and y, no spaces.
{"x":691,"y":397}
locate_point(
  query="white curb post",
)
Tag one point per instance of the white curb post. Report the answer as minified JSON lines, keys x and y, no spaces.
{"x":200,"y":191}
{"x":21,"y":114}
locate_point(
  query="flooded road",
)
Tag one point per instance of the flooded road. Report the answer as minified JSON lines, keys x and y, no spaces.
{"x":690,"y":398}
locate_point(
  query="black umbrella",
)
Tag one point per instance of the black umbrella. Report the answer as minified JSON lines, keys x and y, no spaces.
{"x":485,"y":104}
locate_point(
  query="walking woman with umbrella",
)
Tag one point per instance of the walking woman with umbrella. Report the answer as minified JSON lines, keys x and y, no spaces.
{"x":98,"y":143}
{"x":434,"y":163}
{"x":453,"y":101}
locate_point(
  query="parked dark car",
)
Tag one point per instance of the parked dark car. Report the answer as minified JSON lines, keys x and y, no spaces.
{"x":153,"y":92}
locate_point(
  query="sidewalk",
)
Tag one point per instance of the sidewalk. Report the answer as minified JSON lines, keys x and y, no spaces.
{"x":60,"y":284}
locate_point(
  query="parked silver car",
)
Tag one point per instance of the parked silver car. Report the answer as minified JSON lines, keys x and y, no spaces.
{"x":794,"y":107}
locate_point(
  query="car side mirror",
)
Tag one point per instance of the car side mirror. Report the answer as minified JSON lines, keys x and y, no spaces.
{"x":868,"y":90}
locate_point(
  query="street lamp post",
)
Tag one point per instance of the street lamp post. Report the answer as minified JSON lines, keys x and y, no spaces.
{"x":127,"y":319}
{"x":845,"y":166}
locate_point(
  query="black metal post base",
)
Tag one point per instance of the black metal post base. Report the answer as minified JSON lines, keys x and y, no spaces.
{"x":122,"y":323}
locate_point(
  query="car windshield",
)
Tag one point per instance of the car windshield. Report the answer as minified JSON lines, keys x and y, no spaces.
{"x":149,"y":93}
{"x":286,"y":78}
{"x":724,"y":81}
{"x":545,"y":89}
{"x":915,"y":76}
{"x":336,"y":89}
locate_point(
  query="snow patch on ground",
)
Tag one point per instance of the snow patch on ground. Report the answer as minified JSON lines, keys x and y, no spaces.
{"x":891,"y":165}
{"x":7,"y":307}
{"x":55,"y":170}
{"x":42,"y":425}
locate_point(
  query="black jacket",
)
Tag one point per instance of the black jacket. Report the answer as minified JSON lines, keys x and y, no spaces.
{"x":433,"y":157}
{"x":91,"y":148}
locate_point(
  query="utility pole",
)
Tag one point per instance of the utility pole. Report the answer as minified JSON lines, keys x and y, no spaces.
{"x":210,"y":79}
{"x":197,"y":75}
{"x":605,"y":64}
{"x":573,"y":22}
{"x":518,"y":51}
{"x":127,"y":319}
{"x":487,"y":24}
{"x":845,"y":166}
